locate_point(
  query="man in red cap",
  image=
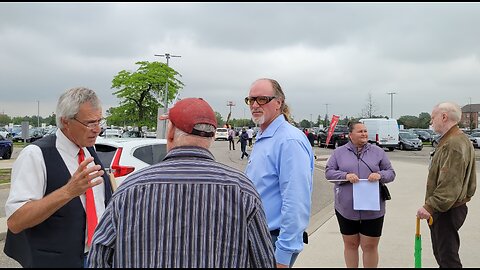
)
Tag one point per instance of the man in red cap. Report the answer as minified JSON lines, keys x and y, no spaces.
{"x":187,"y":211}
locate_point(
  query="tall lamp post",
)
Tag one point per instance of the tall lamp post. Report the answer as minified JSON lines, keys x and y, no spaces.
{"x":391,"y":103}
{"x":230,"y":104}
{"x":162,"y":132}
{"x":326,"y":114}
{"x":38,"y":113}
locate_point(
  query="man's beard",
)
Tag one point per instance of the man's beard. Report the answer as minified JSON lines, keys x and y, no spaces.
{"x":259,"y":120}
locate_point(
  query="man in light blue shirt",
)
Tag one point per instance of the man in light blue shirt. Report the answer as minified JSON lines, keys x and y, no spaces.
{"x":281,"y":167}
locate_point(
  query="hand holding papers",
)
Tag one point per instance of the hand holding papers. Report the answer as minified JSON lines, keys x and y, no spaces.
{"x":366,"y":195}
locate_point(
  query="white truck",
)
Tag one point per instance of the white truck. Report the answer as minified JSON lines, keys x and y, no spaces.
{"x":382,"y":132}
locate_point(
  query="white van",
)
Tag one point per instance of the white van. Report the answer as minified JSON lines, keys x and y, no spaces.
{"x":382,"y":132}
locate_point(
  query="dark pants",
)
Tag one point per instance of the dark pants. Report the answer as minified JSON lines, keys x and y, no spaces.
{"x":85,"y":256}
{"x":294,"y":255}
{"x":243,"y":147}
{"x":445,"y":238}
{"x":231,"y":144}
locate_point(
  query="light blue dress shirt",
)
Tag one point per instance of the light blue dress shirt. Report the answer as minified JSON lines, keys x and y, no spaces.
{"x":281,"y":168}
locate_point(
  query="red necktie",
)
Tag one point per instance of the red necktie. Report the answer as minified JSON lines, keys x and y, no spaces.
{"x":89,"y":205}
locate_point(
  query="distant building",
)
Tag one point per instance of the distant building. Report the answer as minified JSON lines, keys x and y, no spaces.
{"x":470,"y":116}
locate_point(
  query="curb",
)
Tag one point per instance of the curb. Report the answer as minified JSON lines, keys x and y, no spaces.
{"x":3,"y":230}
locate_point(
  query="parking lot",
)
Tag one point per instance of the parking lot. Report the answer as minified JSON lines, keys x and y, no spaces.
{"x":322,"y":196}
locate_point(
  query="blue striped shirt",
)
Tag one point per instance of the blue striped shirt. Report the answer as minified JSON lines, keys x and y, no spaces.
{"x":281,"y":167}
{"x":187,"y":211}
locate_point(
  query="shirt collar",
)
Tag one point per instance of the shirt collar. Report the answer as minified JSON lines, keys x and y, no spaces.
{"x":453,"y":130}
{"x":66,"y":145}
{"x":272,"y":128}
{"x":189,"y":151}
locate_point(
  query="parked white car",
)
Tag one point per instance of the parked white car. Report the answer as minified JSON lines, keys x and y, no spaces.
{"x":221,"y":134}
{"x":124,"y":156}
{"x":112,"y":132}
{"x":5,"y":133}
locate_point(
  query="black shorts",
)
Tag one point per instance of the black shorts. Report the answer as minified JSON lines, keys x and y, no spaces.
{"x":369,"y":227}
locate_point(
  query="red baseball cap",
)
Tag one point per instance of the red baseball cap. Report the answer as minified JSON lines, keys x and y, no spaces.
{"x":188,"y":112}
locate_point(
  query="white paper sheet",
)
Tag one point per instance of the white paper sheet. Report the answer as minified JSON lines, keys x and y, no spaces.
{"x":366,"y":195}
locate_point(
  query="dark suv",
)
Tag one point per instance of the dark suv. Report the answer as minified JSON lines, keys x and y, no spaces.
{"x":6,"y":148}
{"x":423,"y":135}
{"x":339,"y":136}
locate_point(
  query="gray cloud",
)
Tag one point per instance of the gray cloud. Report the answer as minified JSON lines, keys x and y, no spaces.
{"x":321,"y":53}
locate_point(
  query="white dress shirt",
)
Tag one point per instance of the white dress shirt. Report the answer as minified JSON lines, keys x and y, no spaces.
{"x":29,"y":176}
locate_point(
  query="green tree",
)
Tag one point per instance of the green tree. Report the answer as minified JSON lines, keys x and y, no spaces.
{"x":142,"y":92}
{"x":4,"y":119}
{"x":50,"y":120}
{"x":344,"y":121}
{"x":408,"y":121}
{"x":424,"y":120}
{"x":17,"y":120}
{"x":241,"y":122}
{"x":220,"y":121}
{"x":305,"y":124}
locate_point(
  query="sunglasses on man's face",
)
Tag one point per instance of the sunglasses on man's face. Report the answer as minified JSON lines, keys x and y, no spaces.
{"x":261,"y":100}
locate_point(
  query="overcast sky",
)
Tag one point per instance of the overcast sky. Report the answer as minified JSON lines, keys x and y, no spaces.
{"x":324,"y":55}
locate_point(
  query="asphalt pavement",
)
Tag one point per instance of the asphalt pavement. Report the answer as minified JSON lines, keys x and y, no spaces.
{"x":396,"y":248}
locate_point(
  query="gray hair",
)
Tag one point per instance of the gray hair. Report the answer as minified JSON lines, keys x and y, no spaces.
{"x":69,"y":103}
{"x":453,"y":110}
{"x":279,"y":94}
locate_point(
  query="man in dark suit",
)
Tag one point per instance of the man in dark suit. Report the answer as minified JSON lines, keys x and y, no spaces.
{"x":59,"y":189}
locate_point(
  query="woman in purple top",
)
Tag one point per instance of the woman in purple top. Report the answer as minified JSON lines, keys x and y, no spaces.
{"x":353,"y":161}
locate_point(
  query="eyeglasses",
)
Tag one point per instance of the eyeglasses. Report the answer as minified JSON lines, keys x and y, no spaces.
{"x":261,"y":100}
{"x":92,"y":124}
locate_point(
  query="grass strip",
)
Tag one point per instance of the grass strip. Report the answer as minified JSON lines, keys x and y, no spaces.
{"x":5,"y":175}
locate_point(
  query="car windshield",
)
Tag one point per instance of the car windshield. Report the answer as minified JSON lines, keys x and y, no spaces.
{"x":341,"y":129}
{"x":408,"y":136}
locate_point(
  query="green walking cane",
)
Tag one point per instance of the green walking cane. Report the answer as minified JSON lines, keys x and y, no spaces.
{"x":418,"y":243}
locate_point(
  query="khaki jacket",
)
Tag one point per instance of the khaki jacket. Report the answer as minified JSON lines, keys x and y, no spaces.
{"x":452,"y":177}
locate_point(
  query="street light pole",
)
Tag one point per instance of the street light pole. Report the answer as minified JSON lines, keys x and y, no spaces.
{"x":163,"y":131}
{"x":38,"y":113}
{"x":391,"y":103}
{"x":230,"y":104}
{"x":326,"y":114}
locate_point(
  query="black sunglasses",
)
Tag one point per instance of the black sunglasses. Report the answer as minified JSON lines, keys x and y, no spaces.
{"x":261,"y":100}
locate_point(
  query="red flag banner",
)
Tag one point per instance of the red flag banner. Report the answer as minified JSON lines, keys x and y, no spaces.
{"x":331,"y":128}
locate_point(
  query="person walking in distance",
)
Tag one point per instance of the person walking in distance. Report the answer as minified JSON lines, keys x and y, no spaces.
{"x":451,"y":183}
{"x":58,"y":189}
{"x":250,"y":136}
{"x":231,"y":138}
{"x":281,"y":167}
{"x":243,"y":139}
{"x":187,"y":211}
